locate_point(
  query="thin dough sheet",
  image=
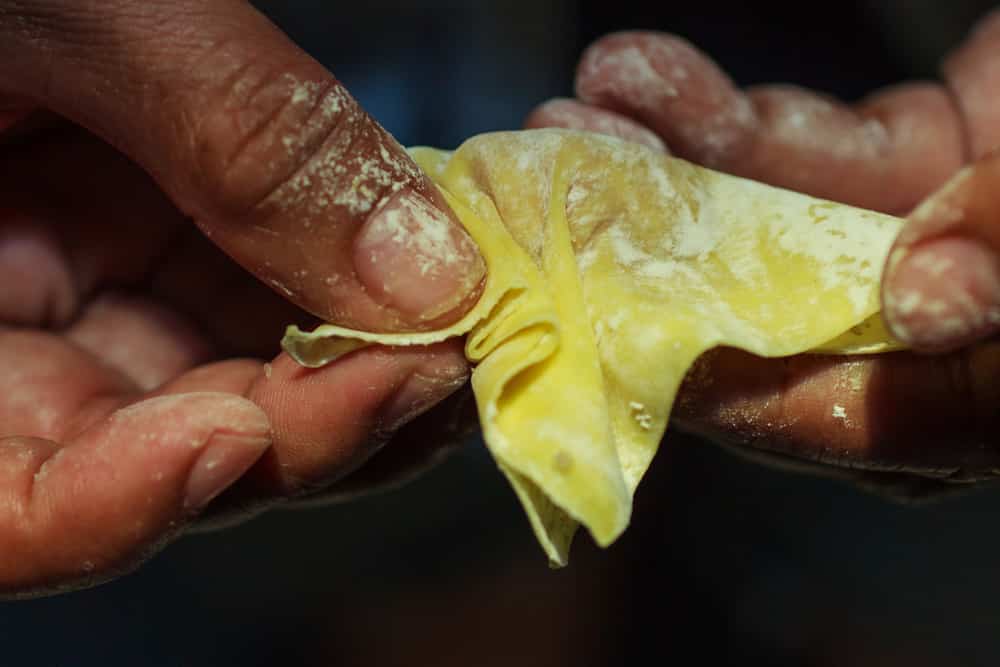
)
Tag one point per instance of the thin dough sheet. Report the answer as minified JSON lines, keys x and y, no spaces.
{"x":611,"y":268}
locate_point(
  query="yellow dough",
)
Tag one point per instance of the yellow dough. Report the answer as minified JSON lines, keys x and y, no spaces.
{"x":611,"y":268}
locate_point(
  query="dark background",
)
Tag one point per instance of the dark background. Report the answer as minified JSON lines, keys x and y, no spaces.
{"x":725,"y":561}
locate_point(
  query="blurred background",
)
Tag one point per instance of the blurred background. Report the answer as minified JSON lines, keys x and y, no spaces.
{"x":725,"y":561}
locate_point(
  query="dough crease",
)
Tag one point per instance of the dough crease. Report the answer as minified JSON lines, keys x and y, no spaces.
{"x":611,"y":268}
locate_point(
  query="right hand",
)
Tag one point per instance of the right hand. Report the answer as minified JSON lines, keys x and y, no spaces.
{"x":867,"y":418}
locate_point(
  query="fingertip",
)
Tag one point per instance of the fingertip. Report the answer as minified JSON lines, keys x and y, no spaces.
{"x":670,"y":86}
{"x":618,"y":71}
{"x":556,"y":112}
{"x":626,"y":52}
{"x":574,"y":115}
{"x":191,"y":445}
{"x":943,"y":294}
{"x":413,"y":256}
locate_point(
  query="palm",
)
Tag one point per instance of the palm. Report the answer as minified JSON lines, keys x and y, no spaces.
{"x":110,"y":298}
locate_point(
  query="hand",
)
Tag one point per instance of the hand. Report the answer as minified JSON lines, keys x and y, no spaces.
{"x":130,"y":397}
{"x":936,"y":416}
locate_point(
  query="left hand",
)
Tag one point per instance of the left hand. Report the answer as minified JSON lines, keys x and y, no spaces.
{"x":178,"y":181}
{"x":871,"y":417}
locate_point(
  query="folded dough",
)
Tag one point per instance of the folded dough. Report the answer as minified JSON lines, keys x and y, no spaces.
{"x":611,"y":267}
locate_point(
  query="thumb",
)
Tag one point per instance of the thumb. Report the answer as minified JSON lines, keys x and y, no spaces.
{"x":941,"y":288}
{"x":259,"y":144}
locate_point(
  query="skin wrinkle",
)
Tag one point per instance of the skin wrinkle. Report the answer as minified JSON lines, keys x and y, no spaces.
{"x":262,"y":122}
{"x":278,"y":194}
{"x":297,"y":184}
{"x":375,"y":177}
{"x":33,"y":455}
{"x":241,"y":189}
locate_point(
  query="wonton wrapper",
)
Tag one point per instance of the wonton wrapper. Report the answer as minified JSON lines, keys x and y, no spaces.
{"x":610,"y":269}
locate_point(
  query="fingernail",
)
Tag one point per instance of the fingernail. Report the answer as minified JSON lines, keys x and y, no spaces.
{"x":225,"y":459}
{"x":419,"y":392}
{"x":943,"y":293}
{"x":415,"y":259}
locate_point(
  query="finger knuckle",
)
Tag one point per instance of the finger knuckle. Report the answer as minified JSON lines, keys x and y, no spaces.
{"x":266,"y":128}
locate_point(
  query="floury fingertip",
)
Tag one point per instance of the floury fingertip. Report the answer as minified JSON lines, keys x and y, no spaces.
{"x":943,"y":293}
{"x":416,"y":259}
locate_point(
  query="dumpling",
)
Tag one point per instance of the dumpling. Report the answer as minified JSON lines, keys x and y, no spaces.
{"x":611,"y":268}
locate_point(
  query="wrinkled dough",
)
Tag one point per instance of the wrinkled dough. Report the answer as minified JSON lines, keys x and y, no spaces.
{"x":611,"y":268}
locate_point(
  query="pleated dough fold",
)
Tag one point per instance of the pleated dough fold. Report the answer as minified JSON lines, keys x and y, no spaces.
{"x":611,"y":268}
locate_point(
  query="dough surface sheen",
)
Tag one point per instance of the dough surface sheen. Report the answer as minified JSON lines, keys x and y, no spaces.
{"x":611,"y":268}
